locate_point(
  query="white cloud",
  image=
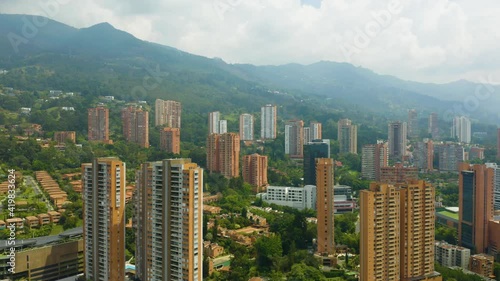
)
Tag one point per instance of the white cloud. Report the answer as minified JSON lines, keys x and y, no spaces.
{"x":426,"y":40}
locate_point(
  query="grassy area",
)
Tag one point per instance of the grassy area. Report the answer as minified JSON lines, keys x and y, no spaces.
{"x":449,"y":214}
{"x":56,"y":229}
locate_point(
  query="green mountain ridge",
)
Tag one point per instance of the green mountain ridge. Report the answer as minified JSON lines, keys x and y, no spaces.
{"x":102,"y":60}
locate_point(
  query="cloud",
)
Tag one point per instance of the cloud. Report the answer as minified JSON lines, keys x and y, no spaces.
{"x":423,"y":40}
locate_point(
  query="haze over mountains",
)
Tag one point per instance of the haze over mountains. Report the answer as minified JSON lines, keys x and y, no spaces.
{"x":57,"y":56}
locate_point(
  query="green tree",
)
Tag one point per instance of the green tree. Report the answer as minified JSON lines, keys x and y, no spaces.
{"x":268,"y":250}
{"x":302,"y":272}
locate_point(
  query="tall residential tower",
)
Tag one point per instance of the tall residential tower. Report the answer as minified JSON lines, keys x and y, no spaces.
{"x":168,"y":113}
{"x":347,"y":136}
{"x":169,"y":221}
{"x":103,"y":184}
{"x":98,"y":124}
{"x":135,"y":123}
{"x":268,"y":122}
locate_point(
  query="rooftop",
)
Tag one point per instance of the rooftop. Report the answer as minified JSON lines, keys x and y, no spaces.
{"x":44,"y":240}
{"x":449,"y":214}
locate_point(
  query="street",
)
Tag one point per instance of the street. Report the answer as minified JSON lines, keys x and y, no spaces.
{"x":29,"y":181}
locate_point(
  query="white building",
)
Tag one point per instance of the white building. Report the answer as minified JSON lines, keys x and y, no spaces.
{"x":295,"y":197}
{"x":222,"y":126}
{"x":213,"y":122}
{"x":305,"y":197}
{"x":307,"y":135}
{"x":246,"y":127}
{"x":451,"y":255}
{"x":268,"y":122}
{"x":461,"y":129}
{"x":496,"y":185}
{"x":316,"y":131}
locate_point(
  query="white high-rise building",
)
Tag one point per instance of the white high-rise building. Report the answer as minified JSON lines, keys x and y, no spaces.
{"x":103,"y":185}
{"x":246,"y":127}
{"x":307,"y":135}
{"x":268,"y":122}
{"x":461,"y":129}
{"x":496,"y":185}
{"x":213,"y":122}
{"x":169,"y":221}
{"x":222,"y":126}
{"x":315,"y":131}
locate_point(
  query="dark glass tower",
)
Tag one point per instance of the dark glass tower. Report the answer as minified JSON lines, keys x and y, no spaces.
{"x":314,"y":149}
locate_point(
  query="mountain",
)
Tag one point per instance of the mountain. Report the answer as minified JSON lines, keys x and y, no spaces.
{"x":101,"y":60}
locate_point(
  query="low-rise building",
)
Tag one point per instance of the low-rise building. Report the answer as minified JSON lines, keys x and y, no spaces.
{"x":494,"y":238}
{"x":295,"y":197}
{"x":47,"y":258}
{"x":32,"y":221}
{"x":305,"y":197}
{"x":483,"y":265}
{"x":18,"y":222}
{"x":447,"y":216}
{"x":54,"y":216}
{"x":451,"y":255}
{"x":212,"y":250}
{"x":211,"y":210}
{"x":43,"y":219}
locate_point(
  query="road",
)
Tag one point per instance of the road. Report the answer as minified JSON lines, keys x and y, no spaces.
{"x":29,"y":181}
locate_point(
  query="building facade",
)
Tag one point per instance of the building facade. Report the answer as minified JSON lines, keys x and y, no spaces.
{"x":294,"y":138}
{"x":295,"y":197}
{"x":312,"y":150}
{"x":103,"y":183}
{"x":135,"y":123}
{"x":316,"y":131}
{"x":496,"y":185}
{"x":347,"y":136}
{"x":397,"y":140}
{"x":98,"y":124}
{"x":450,"y":155}
{"x":475,"y":193}
{"x":461,"y":129}
{"x":325,"y":206}
{"x":413,"y":131}
{"x":170,"y":140}
{"x":268,"y":121}
{"x":62,"y":137}
{"x":433,"y":128}
{"x":373,"y":158}
{"x":397,"y":221}
{"x":451,"y":255}
{"x":213,"y":122}
{"x":423,"y":155}
{"x":255,"y":171}
{"x":380,"y":233}
{"x":246,"y":127}
{"x":223,"y":154}
{"x":48,"y":258}
{"x":398,"y":174}
{"x":168,"y":113}
{"x":222,"y":126}
{"x":483,"y":265}
{"x":169,"y":221}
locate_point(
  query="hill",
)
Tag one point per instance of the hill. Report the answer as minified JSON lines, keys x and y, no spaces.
{"x":101,"y":60}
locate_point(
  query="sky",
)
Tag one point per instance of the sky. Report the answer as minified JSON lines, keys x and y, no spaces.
{"x":421,"y":40}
